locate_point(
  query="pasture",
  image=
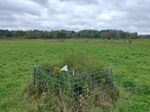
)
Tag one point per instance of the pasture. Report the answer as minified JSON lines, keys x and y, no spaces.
{"x":130,"y":64}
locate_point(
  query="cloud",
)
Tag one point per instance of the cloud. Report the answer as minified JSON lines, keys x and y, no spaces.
{"x":19,"y":6}
{"x":126,"y":15}
{"x":86,"y":2}
{"x":40,"y":2}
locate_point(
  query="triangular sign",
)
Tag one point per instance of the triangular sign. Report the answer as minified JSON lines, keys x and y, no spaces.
{"x":65,"y":68}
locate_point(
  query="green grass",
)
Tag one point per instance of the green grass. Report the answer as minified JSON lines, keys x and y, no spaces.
{"x":130,"y":62}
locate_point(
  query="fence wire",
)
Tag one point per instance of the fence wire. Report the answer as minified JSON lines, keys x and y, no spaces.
{"x":77,"y":91}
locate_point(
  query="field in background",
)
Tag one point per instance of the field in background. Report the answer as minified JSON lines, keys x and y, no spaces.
{"x":130,"y":63}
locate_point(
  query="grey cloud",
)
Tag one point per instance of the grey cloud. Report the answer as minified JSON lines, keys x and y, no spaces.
{"x":41,"y":2}
{"x":76,"y":14}
{"x":4,"y":16}
{"x":19,"y":7}
{"x":81,"y":1}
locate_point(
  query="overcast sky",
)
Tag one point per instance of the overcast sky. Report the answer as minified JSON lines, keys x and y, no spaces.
{"x":127,"y":15}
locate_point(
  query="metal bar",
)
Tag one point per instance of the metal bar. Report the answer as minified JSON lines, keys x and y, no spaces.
{"x":34,"y":74}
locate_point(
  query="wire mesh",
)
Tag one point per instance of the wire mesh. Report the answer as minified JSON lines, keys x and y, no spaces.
{"x":79,"y":91}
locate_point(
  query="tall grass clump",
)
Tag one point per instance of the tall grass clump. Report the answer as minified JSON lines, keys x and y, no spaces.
{"x":86,"y":85}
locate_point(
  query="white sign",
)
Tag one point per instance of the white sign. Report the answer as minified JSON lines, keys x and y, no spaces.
{"x":65,"y":68}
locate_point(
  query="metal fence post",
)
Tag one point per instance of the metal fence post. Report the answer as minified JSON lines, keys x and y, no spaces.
{"x":111,"y":73}
{"x":34,"y":74}
{"x":72,"y":99}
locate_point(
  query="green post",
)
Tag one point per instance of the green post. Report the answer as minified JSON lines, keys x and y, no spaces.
{"x":34,"y":74}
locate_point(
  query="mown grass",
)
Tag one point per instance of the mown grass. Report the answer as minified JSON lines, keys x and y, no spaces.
{"x":130,"y":62}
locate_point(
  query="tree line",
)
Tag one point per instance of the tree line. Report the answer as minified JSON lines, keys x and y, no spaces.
{"x":144,"y":36}
{"x":64,"y":34}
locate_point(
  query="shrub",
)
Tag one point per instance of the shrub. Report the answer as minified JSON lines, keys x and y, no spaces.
{"x":92,"y":85}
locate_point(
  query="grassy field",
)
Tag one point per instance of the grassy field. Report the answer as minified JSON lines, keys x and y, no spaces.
{"x":130,"y":62}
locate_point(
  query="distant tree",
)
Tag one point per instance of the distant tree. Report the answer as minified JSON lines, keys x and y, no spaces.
{"x":134,"y":36}
{"x":38,"y":34}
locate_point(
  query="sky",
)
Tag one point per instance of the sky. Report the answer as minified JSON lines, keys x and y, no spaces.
{"x":127,"y":15}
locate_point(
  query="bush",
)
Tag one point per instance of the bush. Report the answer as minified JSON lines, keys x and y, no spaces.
{"x":92,"y":84}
